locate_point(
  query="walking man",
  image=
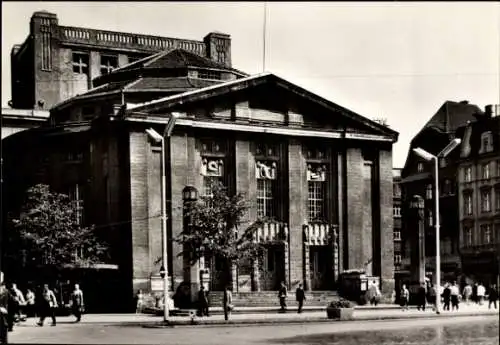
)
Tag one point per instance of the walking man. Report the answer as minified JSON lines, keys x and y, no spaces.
{"x":77,"y":304}
{"x":300,"y":296}
{"x":481,"y":291}
{"x":493,"y":296}
{"x":48,"y":305}
{"x":467,"y":293}
{"x":454,"y":294}
{"x":421,"y":294}
{"x":446,"y":296}
{"x":30,"y":304}
{"x":405,"y":297}
{"x":227,"y":303}
{"x":202,"y":302}
{"x":282,"y":295}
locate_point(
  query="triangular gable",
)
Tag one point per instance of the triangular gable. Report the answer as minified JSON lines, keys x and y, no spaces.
{"x":253,"y":81}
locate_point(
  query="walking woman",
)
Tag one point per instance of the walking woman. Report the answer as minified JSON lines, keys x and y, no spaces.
{"x":77,"y":303}
{"x":48,"y":305}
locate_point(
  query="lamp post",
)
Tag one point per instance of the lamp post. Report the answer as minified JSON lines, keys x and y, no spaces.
{"x":164,"y":267}
{"x":430,"y":157}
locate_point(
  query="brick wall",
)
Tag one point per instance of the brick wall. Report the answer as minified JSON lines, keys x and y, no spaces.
{"x":298,"y":207}
{"x":386,"y":221}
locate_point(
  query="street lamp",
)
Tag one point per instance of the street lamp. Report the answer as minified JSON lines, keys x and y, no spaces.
{"x":163,"y":270}
{"x":429,"y":157}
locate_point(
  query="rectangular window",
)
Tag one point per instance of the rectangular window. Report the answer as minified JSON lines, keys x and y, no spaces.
{"x":316,"y":200}
{"x":497,"y":199}
{"x":75,"y":194}
{"x":430,"y":219}
{"x":486,"y":233}
{"x":498,"y":168}
{"x":486,"y":171}
{"x":80,"y":63}
{"x":485,"y":201}
{"x":396,"y":191}
{"x":397,"y":259}
{"x":468,"y":236}
{"x":397,"y":235}
{"x":468,"y":174}
{"x":209,"y":75}
{"x":420,"y":167}
{"x":265,"y":198}
{"x":467,"y":204}
{"x":396,"y":212}
{"x":486,"y":142}
{"x":208,"y":183}
{"x":108,"y":63}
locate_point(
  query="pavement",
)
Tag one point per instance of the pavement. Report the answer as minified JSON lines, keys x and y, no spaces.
{"x":381,"y":312}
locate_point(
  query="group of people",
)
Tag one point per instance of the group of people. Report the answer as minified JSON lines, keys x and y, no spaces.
{"x":17,"y":307}
{"x":450,"y":295}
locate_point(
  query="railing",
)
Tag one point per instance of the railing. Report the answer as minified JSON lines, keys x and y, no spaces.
{"x":120,"y":39}
{"x":318,"y":234}
{"x":270,"y":232}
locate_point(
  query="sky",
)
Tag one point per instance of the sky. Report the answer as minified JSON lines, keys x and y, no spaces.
{"x":390,"y":60}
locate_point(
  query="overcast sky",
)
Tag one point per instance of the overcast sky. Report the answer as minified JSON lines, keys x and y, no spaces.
{"x":398,"y":61}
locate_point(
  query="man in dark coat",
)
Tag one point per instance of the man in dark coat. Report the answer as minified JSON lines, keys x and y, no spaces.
{"x":202,"y":302}
{"x":421,"y":294}
{"x":282,"y":294}
{"x":493,"y":296}
{"x":300,"y":296}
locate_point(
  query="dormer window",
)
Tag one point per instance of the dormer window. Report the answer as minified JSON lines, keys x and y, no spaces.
{"x":420,"y":167}
{"x":486,"y":142}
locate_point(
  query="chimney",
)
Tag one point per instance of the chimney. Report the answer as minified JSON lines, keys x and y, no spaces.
{"x":218,"y":47}
{"x":492,"y":110}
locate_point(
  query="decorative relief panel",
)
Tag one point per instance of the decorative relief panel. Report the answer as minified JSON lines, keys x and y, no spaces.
{"x":316,"y":172}
{"x":266,"y":170}
{"x":212,"y":167}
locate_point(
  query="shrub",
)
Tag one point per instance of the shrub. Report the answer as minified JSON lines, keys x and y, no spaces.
{"x":342,"y":303}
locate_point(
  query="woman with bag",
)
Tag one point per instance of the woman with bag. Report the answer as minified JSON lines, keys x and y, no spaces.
{"x":77,"y":303}
{"x":48,"y":305}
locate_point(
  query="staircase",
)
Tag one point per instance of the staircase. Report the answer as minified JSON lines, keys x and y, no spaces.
{"x":270,"y":298}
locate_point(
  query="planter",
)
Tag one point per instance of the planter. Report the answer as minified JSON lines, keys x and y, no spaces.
{"x":342,"y":314}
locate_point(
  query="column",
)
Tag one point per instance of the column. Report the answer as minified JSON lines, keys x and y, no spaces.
{"x":416,"y":229}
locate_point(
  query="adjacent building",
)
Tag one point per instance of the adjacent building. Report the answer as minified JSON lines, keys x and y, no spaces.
{"x":321,"y":173}
{"x":479,"y":197}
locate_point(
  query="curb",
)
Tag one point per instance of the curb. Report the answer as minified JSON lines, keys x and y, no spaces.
{"x":270,"y":322}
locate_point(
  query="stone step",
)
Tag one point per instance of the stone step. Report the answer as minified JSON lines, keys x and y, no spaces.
{"x":270,"y":298}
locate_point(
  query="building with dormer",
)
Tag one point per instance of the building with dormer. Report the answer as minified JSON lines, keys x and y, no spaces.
{"x":321,"y":173}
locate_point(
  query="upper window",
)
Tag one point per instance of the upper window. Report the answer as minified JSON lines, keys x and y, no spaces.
{"x":486,"y":233}
{"x":486,"y":142}
{"x":80,"y":63}
{"x":468,"y":236}
{"x":316,"y":200}
{"x":108,"y":63}
{"x":468,"y":174}
{"x":486,"y":200}
{"x":497,"y":199}
{"x":420,"y":167}
{"x":397,"y":235}
{"x":396,"y":191}
{"x":396,"y":211}
{"x":428,"y":192}
{"x":467,"y":204}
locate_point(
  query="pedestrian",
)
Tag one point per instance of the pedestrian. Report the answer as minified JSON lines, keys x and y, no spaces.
{"x":474,"y":293}
{"x":76,"y":302}
{"x":431,"y":295}
{"x":467,"y":292}
{"x":48,"y":305}
{"x":454,"y":296}
{"x":446,"y":296}
{"x":30,"y":304}
{"x":421,"y":294}
{"x":493,"y":296}
{"x":405,"y":297}
{"x":282,"y":295}
{"x":300,"y":297}
{"x":481,"y":292}
{"x":139,"y":302}
{"x":202,"y":302}
{"x":227,"y":303}
{"x":19,"y":303}
{"x":4,"y":312}
{"x":374,"y":293}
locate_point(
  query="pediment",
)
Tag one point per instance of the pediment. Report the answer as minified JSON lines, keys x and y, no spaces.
{"x":266,"y":99}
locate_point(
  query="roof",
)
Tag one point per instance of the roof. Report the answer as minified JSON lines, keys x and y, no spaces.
{"x":258,"y":79}
{"x":167,"y":84}
{"x":452,"y":115}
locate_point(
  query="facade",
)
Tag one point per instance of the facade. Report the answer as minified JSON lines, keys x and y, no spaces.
{"x":396,"y":174}
{"x":419,"y":247}
{"x":58,"y":62}
{"x":479,"y":197}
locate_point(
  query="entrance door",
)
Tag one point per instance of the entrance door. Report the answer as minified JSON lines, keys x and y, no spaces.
{"x":320,"y":263}
{"x":273,"y":268}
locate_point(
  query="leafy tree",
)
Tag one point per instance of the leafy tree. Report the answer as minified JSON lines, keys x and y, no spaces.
{"x":218,"y":227}
{"x":49,"y":231}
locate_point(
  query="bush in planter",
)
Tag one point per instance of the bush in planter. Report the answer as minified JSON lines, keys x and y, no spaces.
{"x":341,"y":309}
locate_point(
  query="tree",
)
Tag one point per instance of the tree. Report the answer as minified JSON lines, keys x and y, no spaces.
{"x":49,"y":231}
{"x":217,"y":228}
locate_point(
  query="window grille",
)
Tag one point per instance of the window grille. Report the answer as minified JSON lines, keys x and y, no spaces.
{"x":316,"y":200}
{"x":265,"y":198}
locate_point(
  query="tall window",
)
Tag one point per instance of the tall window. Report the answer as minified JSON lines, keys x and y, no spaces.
{"x":212,"y":167}
{"x":397,"y":259}
{"x":75,"y":194}
{"x":396,"y":212}
{"x":486,"y":200}
{"x":397,"y":235}
{"x":428,"y":192}
{"x":265,"y":198}
{"x":430,"y":219}
{"x":486,"y":233}
{"x":420,"y":167}
{"x":467,"y":203}
{"x":316,"y":181}
{"x":108,"y":63}
{"x":486,"y":171}
{"x":497,"y":199}
{"x":468,"y":174}
{"x":467,"y":236}
{"x":498,"y":168}
{"x":80,"y":63}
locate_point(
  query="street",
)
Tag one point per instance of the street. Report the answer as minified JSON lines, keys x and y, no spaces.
{"x":481,"y":330}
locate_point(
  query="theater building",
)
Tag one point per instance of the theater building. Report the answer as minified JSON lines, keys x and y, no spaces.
{"x":321,"y":172}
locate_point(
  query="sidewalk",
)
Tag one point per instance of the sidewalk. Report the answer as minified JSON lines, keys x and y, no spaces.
{"x":360,"y":313}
